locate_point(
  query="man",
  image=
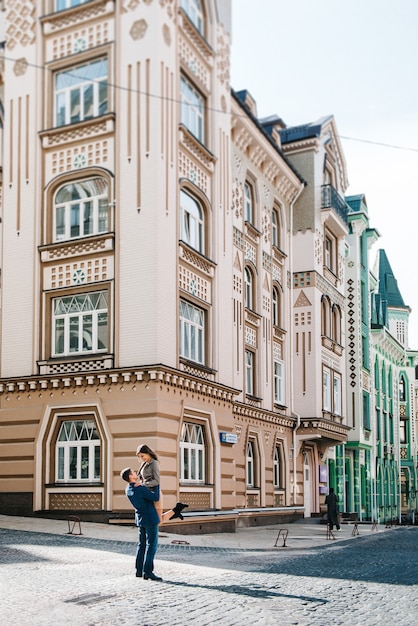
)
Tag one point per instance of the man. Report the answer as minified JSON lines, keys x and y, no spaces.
{"x":147,"y":520}
{"x":332,"y":509}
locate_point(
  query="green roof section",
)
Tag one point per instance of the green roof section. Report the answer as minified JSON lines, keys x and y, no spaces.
{"x":388,"y":286}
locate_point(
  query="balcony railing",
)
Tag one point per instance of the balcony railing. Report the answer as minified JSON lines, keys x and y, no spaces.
{"x":331,"y":199}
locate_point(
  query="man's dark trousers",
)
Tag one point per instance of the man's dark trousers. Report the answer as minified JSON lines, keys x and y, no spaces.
{"x":147,"y":547}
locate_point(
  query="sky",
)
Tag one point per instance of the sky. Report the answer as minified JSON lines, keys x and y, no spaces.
{"x":357,"y":61}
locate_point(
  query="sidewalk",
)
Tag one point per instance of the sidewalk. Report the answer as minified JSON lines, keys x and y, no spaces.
{"x":305,"y":533}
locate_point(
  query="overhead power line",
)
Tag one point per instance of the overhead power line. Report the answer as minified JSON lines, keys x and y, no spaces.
{"x":212,"y":109}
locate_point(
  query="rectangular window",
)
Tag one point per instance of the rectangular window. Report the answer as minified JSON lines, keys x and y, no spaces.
{"x":326,"y":390}
{"x":192,"y":109}
{"x":249,"y":372}
{"x":192,"y":332}
{"x":330,"y":252}
{"x":81,"y":92}
{"x":279,"y":396}
{"x":366,"y":411}
{"x":80,"y":324}
{"x":337,"y":394}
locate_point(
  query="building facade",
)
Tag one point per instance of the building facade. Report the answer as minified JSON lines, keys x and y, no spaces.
{"x":148,"y":237}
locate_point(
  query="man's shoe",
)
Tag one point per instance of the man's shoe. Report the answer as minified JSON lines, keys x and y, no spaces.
{"x":138,"y":575}
{"x":178,"y":509}
{"x":152,"y":577}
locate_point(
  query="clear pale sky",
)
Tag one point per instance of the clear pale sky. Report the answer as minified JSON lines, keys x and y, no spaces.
{"x":356,"y":60}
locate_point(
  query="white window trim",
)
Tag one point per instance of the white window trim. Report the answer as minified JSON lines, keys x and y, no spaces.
{"x":191,"y":222}
{"x":63,"y":324}
{"x":67,"y":209}
{"x":63,"y":451}
{"x":195,"y":451}
{"x":64,"y":94}
{"x":279,"y":381}
{"x":192,"y":332}
{"x":192,"y":109}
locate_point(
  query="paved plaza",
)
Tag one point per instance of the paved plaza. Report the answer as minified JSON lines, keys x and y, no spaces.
{"x":49,"y":576}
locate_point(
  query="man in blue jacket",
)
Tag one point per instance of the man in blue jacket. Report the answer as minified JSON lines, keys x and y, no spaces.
{"x":147,"y":520}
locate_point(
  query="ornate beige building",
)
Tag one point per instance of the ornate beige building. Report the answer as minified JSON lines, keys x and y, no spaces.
{"x":147,"y":249}
{"x":126,"y":256}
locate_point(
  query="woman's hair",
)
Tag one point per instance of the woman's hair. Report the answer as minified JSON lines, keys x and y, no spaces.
{"x":144,"y":449}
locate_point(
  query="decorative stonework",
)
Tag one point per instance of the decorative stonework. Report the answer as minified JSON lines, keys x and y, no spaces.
{"x":93,"y":270}
{"x":250,"y":252}
{"x":194,"y":284}
{"x":21,"y":20}
{"x":302,"y":300}
{"x":79,"y":132}
{"x":237,"y":199}
{"x":75,"y":501}
{"x":68,"y":19}
{"x":188,"y":169}
{"x":82,"y":156}
{"x":79,"y":40}
{"x":222,"y":61}
{"x":20,"y":66}
{"x":167,"y":34}
{"x":138,"y":29}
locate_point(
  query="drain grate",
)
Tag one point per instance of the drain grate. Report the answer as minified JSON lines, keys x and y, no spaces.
{"x":90,"y":598}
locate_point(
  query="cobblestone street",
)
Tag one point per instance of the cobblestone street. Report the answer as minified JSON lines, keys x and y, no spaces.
{"x":49,"y":578}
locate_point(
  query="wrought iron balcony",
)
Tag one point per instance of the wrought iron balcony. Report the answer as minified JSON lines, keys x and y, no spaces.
{"x":331,"y":199}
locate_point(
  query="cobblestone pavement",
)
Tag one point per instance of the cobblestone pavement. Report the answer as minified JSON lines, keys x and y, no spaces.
{"x":49,"y":578}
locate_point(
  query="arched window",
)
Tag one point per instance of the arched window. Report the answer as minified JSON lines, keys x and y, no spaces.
{"x":194,"y":11}
{"x":336,"y":324}
{"x":250,"y":464}
{"x":192,"y":453}
{"x":276,"y":307}
{"x":191,"y":222}
{"x":275,"y":228}
{"x":278,"y":473}
{"x":326,"y":316}
{"x":249,"y":288}
{"x":81,"y":209}
{"x":78,"y":452}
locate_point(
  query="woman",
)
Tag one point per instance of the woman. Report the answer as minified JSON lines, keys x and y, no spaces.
{"x":149,"y":476}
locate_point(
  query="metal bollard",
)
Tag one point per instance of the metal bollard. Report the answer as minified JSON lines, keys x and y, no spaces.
{"x":72,"y":521}
{"x":284,"y":532}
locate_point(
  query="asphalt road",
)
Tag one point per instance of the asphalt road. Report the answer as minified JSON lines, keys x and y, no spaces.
{"x":48,"y":579}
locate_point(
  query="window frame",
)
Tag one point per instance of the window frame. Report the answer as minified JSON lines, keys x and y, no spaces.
{"x":68,"y":325}
{"x":278,"y":467}
{"x":248,"y":202}
{"x":194,"y":11}
{"x":190,"y":341}
{"x":63,"y":447}
{"x":250,"y":464}
{"x":192,"y":230}
{"x":279,"y":382}
{"x":249,"y":372}
{"x":192,"y":109}
{"x":330,"y":252}
{"x":97,"y":202}
{"x":193,"y":454}
{"x":276,"y":307}
{"x":66,"y":94}
{"x":248,"y":288}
